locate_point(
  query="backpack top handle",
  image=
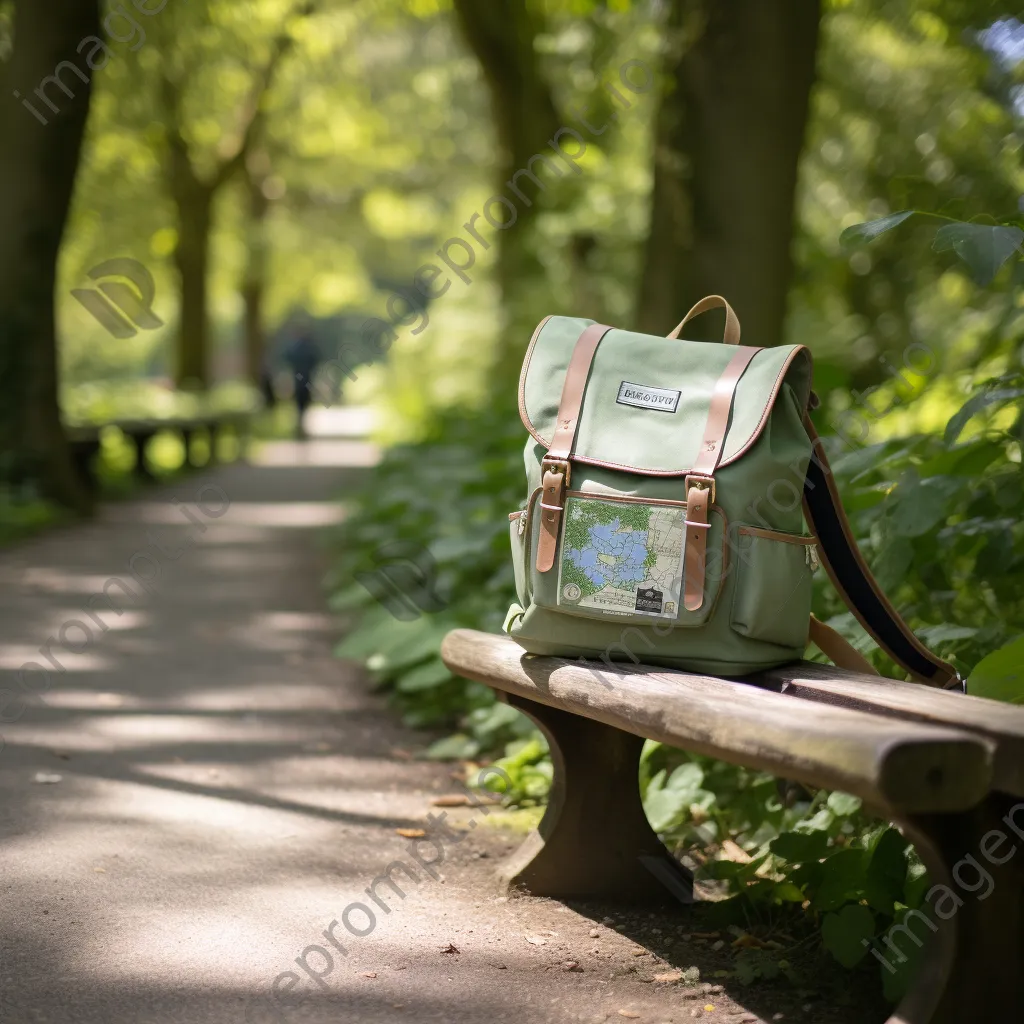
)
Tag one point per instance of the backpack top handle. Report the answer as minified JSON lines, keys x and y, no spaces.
{"x":732,"y":321}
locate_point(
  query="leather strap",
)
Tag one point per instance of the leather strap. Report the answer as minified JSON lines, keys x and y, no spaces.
{"x":555,"y":465}
{"x":838,"y":649}
{"x":732,"y":321}
{"x":711,"y":445}
{"x":852,"y":578}
{"x":700,"y":484}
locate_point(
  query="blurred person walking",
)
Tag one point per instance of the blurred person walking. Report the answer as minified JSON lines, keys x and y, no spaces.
{"x":303,"y":356}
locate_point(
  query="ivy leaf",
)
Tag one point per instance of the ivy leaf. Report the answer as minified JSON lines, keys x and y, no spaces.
{"x":843,"y":804}
{"x":800,"y":847}
{"x":869,"y":230}
{"x":974,"y":405}
{"x":887,"y":871}
{"x":668,"y":801}
{"x":842,"y":881}
{"x":1000,"y":675}
{"x":983,"y":247}
{"x":845,"y":932}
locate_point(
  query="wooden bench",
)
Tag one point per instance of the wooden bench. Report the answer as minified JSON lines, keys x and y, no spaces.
{"x":84,"y":441}
{"x":947,"y":768}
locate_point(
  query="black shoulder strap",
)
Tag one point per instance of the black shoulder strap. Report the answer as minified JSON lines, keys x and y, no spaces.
{"x":852,"y":578}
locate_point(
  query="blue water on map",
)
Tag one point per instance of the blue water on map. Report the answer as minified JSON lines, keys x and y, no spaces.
{"x":628,"y":548}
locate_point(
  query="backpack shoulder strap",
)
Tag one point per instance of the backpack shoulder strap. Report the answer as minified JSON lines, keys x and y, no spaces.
{"x":852,"y":578}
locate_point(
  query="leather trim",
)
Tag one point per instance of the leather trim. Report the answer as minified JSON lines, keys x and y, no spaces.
{"x":625,"y":467}
{"x":786,"y":538}
{"x":720,"y":411}
{"x":574,"y":390}
{"x":695,"y":547}
{"x":570,"y":405}
{"x":611,"y":496}
{"x":838,"y":649}
{"x":771,"y":401}
{"x":731,"y":335}
{"x":698,"y":496}
{"x":522,"y":378}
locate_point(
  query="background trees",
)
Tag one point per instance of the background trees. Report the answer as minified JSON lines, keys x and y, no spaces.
{"x":37,"y":174}
{"x":264,"y":156}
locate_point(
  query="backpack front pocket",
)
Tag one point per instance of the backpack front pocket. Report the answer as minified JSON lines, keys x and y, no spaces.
{"x":772,"y":597}
{"x":621,"y":558}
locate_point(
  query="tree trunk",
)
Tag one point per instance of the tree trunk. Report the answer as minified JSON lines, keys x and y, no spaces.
{"x":38,"y":163}
{"x":255,"y":281}
{"x":501,"y":34}
{"x":728,"y":140}
{"x":192,"y":257}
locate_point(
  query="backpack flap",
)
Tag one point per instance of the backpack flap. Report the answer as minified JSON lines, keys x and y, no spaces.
{"x":647,"y":399}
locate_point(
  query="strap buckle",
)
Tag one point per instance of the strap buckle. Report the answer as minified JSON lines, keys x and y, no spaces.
{"x":701,"y":482}
{"x":557,"y":465}
{"x":957,"y":684}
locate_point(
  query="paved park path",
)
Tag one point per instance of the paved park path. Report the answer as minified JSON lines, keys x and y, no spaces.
{"x":196,"y":791}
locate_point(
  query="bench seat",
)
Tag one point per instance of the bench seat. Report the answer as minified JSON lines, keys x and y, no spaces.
{"x":947,"y":768}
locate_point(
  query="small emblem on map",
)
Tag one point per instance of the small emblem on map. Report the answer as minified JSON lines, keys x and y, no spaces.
{"x":649,"y":601}
{"x":571,"y":592}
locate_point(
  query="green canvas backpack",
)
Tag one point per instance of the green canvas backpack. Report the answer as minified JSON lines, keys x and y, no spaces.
{"x":669,"y":483}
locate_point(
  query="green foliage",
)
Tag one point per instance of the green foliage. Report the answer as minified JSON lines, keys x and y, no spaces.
{"x":939,"y":516}
{"x":999,"y":675}
{"x":983,"y":247}
{"x":449,"y":494}
{"x":23,"y":514}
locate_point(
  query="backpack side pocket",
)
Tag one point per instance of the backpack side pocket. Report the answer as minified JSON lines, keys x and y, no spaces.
{"x":519,"y":524}
{"x":772,"y":596}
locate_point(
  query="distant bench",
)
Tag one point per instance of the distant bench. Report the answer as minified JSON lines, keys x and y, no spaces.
{"x":84,"y":441}
{"x":948,"y":768}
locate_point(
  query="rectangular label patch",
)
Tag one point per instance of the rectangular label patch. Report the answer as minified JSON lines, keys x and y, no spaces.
{"x":644,"y":397}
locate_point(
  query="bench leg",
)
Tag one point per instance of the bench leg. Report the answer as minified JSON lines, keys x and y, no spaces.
{"x":594,"y":841}
{"x":142,"y":470}
{"x":973,"y":966}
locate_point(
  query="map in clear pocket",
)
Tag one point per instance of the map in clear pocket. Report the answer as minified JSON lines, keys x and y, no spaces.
{"x":622,"y":557}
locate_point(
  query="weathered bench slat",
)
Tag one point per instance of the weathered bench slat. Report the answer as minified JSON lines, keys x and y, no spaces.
{"x":1001,"y":724}
{"x":888,"y":763}
{"x":891,"y":744}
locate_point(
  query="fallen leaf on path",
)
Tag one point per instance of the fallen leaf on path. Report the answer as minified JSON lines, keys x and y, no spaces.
{"x":571,"y":965}
{"x":709,"y":1008}
{"x":46,"y":778}
{"x":411,"y":833}
{"x":450,"y":949}
{"x":536,"y":940}
{"x":632,"y":1014}
{"x":369,"y":974}
{"x":454,"y":800}
{"x":100,"y":871}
